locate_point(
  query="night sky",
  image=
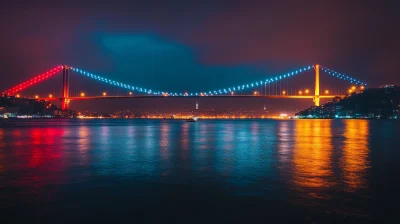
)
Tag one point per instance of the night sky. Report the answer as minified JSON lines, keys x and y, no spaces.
{"x":187,"y":46}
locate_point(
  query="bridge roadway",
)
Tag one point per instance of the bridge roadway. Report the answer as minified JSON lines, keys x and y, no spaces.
{"x":214,"y":96}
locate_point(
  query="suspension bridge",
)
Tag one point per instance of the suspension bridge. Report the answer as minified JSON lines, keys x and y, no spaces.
{"x":233,"y":91}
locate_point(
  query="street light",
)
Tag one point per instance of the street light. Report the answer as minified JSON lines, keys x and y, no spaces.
{"x":104,"y":94}
{"x":307,"y":91}
{"x":82,"y":94}
{"x":17,"y":95}
{"x":300,"y":92}
{"x":284,"y":92}
{"x":130,"y":93}
{"x":50,"y":95}
{"x":37,"y":97}
{"x":350,"y":90}
{"x":326,"y":92}
{"x":255,"y":92}
{"x":353,"y":88}
{"x":362,"y":87}
{"x":232,"y":93}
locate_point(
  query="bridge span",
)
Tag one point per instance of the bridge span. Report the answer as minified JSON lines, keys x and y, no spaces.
{"x":232,"y":92}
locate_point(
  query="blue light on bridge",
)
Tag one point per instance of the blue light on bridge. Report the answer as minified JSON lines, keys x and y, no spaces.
{"x":243,"y":87}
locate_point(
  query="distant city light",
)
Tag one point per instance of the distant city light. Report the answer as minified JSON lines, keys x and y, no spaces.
{"x":50,"y":95}
{"x":37,"y":96}
{"x":326,"y":91}
{"x":284,"y":92}
{"x":307,"y":91}
{"x":362,"y":87}
{"x":104,"y":94}
{"x":130,"y":93}
{"x":82,"y":94}
{"x":353,"y":88}
{"x":300,"y":92}
{"x":255,"y":93}
{"x":17,"y":95}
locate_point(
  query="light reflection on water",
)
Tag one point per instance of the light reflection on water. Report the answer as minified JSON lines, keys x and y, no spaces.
{"x":307,"y":163}
{"x":355,"y":154}
{"x":312,"y":156}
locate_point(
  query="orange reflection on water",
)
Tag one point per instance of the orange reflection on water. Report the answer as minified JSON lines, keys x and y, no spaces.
{"x":312,"y":155}
{"x":185,"y":136}
{"x":83,"y":144}
{"x":355,"y":153}
{"x":164,"y":141}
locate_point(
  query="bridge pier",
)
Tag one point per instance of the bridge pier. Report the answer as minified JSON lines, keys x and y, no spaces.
{"x":65,"y":93}
{"x":317,"y":92}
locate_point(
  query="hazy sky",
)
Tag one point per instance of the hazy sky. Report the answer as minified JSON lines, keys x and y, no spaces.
{"x":187,"y":46}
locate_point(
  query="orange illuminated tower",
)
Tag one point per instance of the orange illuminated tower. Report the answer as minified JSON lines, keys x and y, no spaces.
{"x":316,"y":96}
{"x":65,"y":91}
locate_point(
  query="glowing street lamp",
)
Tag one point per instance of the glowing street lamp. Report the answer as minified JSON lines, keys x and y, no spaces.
{"x":232,"y":93}
{"x":300,"y":92}
{"x":37,"y":97}
{"x":307,"y":91}
{"x":353,"y":88}
{"x":350,"y":90}
{"x":50,"y":95}
{"x":362,"y":87}
{"x":283,"y":92}
{"x":82,"y":94}
{"x":255,"y":93}
{"x":130,"y":93}
{"x":104,"y":94}
{"x":18,"y":96}
{"x":326,"y":92}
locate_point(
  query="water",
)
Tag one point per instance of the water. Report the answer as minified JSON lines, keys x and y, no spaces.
{"x":311,"y":171}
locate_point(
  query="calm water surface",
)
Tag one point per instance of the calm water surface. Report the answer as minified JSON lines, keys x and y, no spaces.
{"x":308,"y":171}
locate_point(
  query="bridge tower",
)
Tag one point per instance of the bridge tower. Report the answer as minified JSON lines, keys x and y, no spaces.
{"x":316,"y":96}
{"x":65,"y":91}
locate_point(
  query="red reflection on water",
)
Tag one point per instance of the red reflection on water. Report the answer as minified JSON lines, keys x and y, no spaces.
{"x":38,"y":161}
{"x":2,"y":155}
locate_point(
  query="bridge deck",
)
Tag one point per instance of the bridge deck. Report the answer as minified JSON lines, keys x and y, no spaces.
{"x":215,"y":96}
